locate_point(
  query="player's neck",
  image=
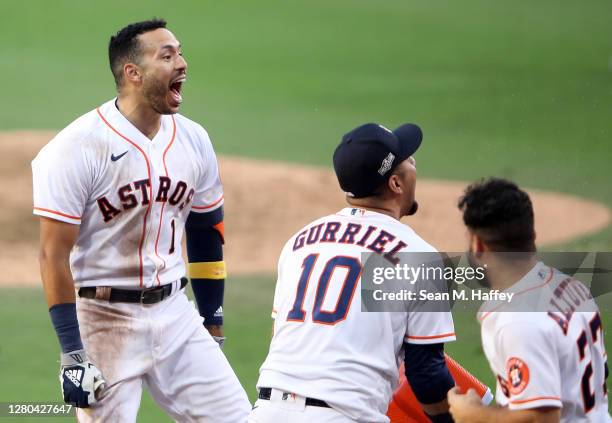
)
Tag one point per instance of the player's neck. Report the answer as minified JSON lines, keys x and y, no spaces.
{"x":141,"y":115}
{"x":504,"y":274}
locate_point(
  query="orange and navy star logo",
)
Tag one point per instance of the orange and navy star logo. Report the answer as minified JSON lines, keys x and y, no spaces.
{"x":517,"y":375}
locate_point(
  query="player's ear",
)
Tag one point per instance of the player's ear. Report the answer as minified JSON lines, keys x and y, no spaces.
{"x":395,"y":184}
{"x":476,"y":244}
{"x":132,"y":73}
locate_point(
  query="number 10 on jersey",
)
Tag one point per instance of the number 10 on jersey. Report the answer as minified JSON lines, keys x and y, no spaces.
{"x":347,"y":291}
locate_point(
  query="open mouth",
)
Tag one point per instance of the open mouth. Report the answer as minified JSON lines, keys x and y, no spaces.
{"x":175,"y":90}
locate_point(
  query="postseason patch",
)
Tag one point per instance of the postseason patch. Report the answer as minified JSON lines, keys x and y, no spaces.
{"x":518,"y":375}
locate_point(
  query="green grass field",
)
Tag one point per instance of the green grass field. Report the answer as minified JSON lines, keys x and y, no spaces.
{"x":516,"y":89}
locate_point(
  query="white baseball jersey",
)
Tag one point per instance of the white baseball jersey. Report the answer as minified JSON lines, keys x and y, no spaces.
{"x":549,"y":359}
{"x":130,"y":195}
{"x":324,"y":346}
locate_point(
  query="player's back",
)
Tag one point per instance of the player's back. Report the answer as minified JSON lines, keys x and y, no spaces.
{"x":583,"y":357}
{"x":553,"y":357}
{"x":324,"y":346}
{"x":587,"y":368}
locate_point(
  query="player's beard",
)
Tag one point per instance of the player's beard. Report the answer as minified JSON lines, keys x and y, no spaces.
{"x":414,"y":205}
{"x":156,"y":94}
{"x":413,"y":208}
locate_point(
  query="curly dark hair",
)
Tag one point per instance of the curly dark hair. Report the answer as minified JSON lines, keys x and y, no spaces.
{"x":123,"y":47}
{"x":500,"y":213}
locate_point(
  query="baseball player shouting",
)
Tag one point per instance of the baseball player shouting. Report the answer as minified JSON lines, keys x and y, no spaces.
{"x":114,"y":191}
{"x":328,"y":360}
{"x":549,"y":360}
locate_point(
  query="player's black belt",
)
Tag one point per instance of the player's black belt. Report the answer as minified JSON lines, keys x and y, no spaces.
{"x":265,"y":393}
{"x":118,"y":295}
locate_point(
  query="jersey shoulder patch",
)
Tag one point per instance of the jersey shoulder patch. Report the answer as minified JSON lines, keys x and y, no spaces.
{"x":517,"y":375}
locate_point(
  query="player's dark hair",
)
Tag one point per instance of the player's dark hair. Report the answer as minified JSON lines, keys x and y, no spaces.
{"x":123,"y":47}
{"x":500,"y":213}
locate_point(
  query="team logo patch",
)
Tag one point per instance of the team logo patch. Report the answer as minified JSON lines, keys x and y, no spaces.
{"x":386,"y":164}
{"x":518,"y":375}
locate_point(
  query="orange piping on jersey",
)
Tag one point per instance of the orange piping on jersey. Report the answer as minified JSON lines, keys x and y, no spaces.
{"x":161,"y":215}
{"x":444,"y":335}
{"x":209,"y":206}
{"x":151,"y":199}
{"x":58,"y":213}
{"x":522,"y":401}
{"x":484,"y":316}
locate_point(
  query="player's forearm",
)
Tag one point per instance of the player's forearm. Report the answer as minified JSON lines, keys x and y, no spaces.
{"x":428,"y":375}
{"x":56,"y":276}
{"x":435,"y":408}
{"x":208,"y":284}
{"x":59,"y":292}
{"x":56,"y":241}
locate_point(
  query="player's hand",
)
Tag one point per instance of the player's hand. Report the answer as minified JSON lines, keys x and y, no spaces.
{"x":463,"y":407}
{"x":81,"y":382}
{"x":216,"y":331}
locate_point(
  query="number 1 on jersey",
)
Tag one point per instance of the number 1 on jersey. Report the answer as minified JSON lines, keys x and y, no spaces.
{"x":353,"y":266}
{"x":171,"y":250}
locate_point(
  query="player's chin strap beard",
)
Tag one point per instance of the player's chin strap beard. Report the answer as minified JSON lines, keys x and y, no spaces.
{"x":413,"y":208}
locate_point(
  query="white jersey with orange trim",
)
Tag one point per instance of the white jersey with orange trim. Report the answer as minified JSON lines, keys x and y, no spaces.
{"x":554,"y":357}
{"x":324,"y":347}
{"x":130,"y":195}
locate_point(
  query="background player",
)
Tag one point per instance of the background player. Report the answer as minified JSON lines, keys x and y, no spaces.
{"x":550,"y":365}
{"x":328,"y":360}
{"x":114,"y":191}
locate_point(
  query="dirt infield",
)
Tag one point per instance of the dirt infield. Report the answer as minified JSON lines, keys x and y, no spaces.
{"x":265,"y":202}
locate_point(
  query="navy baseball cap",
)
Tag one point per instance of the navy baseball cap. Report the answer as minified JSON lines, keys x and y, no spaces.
{"x":367,"y":155}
